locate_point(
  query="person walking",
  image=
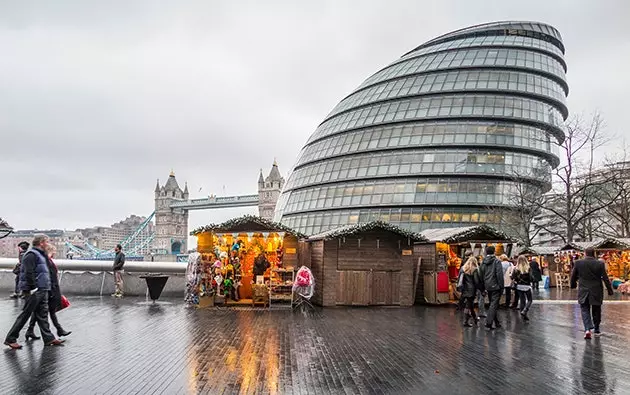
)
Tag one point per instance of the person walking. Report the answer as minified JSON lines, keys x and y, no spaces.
{"x":54,"y":300}
{"x":119,"y":262}
{"x":508,"y":268}
{"x":536,"y":273}
{"x":470,"y":283}
{"x":22,"y":248}
{"x":589,"y":273}
{"x":35,"y":283}
{"x":491,"y":273}
{"x":522,"y":276}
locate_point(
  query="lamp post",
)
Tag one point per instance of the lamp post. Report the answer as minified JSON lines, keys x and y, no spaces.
{"x":5,"y":229}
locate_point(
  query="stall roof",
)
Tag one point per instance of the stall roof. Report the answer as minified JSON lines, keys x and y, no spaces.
{"x":247,"y":223}
{"x":613,"y":244}
{"x":349,"y":230}
{"x":468,"y":233}
{"x":4,"y":225}
{"x":538,"y":250}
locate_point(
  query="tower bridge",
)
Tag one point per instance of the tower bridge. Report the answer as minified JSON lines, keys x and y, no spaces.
{"x":169,"y":236}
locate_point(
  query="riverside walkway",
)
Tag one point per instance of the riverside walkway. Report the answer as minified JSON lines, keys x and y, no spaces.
{"x":132,"y":347}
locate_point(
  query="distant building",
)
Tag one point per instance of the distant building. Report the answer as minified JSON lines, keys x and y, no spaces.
{"x":106,"y":237}
{"x":8,"y":245}
{"x":171,"y":224}
{"x":269,"y":191}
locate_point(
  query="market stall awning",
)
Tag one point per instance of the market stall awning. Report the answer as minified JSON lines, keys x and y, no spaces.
{"x":5,"y":229}
{"x":350,"y":230}
{"x":538,"y":250}
{"x":598,"y":244}
{"x":483,"y":233}
{"x":247,"y":223}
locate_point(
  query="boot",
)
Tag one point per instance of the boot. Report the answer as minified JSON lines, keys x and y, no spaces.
{"x":31,"y":334}
{"x":61,"y":332}
{"x":466,"y":321}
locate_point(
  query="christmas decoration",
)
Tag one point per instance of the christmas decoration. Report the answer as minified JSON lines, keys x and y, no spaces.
{"x":351,"y":230}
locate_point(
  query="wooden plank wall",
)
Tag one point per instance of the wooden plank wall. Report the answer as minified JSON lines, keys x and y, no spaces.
{"x":426,"y":252}
{"x":290,"y":260}
{"x":329,"y":275}
{"x":317,"y":268}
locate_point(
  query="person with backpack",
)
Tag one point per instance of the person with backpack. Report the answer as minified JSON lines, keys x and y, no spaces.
{"x":468,"y":283}
{"x":491,"y":273}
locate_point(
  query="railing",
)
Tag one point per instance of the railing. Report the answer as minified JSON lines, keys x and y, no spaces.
{"x":106,"y":266}
{"x":215,"y":201}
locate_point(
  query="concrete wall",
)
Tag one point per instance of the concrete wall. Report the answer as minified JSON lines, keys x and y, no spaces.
{"x":88,"y":283}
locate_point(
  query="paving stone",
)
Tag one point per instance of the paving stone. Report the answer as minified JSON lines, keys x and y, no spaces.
{"x":132,"y":347}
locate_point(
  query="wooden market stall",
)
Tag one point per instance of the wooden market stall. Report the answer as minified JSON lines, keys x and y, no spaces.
{"x":444,"y":251}
{"x":546,"y":257}
{"x":363,"y":265}
{"x":614,"y":252}
{"x":259,"y":256}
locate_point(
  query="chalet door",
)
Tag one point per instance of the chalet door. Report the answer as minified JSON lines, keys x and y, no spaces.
{"x":354,"y":288}
{"x":385,"y":288}
{"x":364,"y":288}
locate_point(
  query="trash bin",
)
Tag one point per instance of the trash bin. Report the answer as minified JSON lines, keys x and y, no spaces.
{"x":155,"y":284}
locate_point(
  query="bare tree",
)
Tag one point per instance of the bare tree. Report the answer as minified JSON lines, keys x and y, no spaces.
{"x":614,"y":196}
{"x":573,"y":200}
{"x":523,"y":204}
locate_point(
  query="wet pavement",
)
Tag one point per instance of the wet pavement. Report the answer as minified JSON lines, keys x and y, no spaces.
{"x":132,"y":347}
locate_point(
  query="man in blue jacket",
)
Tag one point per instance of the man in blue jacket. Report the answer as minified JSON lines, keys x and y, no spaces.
{"x":36,"y":284}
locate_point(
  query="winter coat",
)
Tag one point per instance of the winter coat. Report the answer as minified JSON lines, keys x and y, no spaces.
{"x":522,"y":278}
{"x":119,"y":261}
{"x":54,"y":299}
{"x":34,"y":272}
{"x":589,"y":273}
{"x":472,"y":282}
{"x":536,"y":273}
{"x":508,"y":269}
{"x":491,"y":273}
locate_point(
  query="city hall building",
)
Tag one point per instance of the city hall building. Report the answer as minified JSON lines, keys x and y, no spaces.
{"x":441,"y":137}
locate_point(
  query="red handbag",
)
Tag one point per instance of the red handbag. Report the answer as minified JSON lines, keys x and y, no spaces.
{"x":64,"y":303}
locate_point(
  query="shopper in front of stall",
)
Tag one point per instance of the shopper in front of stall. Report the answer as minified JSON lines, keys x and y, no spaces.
{"x":491,"y":273}
{"x":508,"y":267}
{"x":590,"y":273}
{"x":468,"y":284}
{"x":522,"y":276}
{"x":536,"y":274}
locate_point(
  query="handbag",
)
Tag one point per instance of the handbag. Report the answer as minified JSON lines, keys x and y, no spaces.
{"x":460,"y":282}
{"x":64,"y":303}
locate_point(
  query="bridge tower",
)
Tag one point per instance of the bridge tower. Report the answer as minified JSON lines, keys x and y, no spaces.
{"x":269,"y":191}
{"x":171,"y":224}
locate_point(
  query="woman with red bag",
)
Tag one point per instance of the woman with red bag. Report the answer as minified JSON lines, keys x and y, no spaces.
{"x":56,"y":301}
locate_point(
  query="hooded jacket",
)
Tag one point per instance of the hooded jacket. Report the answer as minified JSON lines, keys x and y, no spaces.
{"x":491,"y":272}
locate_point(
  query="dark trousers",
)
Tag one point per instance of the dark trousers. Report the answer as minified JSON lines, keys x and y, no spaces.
{"x":495,"y":298}
{"x":469,"y":308}
{"x":36,"y":303}
{"x":526,"y":298}
{"x":53,"y":318}
{"x":591,"y":316}
{"x":508,"y":296}
{"x":17,"y":283}
{"x":535,"y":285}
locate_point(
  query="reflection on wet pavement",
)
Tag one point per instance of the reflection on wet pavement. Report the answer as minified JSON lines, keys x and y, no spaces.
{"x":127,"y":346}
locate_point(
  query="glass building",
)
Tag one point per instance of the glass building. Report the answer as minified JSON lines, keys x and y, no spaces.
{"x":442,"y":137}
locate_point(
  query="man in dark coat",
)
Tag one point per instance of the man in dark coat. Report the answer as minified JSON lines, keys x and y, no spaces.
{"x":34,"y":282}
{"x":589,"y":273}
{"x":491,"y":272}
{"x":536,"y":274}
{"x":23,"y":247}
{"x":119,"y":263}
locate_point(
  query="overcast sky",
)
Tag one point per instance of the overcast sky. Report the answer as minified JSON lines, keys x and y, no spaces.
{"x":98,"y":99}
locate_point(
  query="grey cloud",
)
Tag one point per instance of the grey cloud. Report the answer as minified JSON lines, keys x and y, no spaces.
{"x":108,"y":96}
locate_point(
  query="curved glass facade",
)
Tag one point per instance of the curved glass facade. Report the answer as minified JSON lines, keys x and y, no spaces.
{"x":443,"y":136}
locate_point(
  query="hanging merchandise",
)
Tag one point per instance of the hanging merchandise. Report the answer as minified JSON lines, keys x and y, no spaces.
{"x":483,"y":249}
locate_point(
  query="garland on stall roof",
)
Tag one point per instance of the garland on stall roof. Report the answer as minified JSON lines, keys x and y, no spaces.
{"x":229,"y":225}
{"x":468,"y":234}
{"x":352,"y":230}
